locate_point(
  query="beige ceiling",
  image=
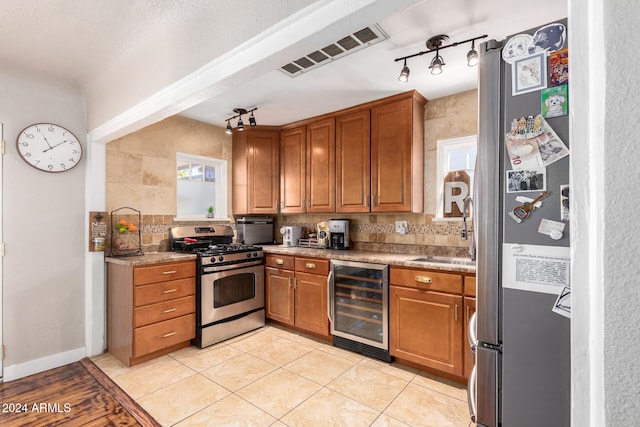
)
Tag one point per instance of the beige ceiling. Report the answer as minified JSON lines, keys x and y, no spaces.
{"x":121,"y":52}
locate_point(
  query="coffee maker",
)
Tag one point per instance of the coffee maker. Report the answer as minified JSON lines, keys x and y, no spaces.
{"x":339,"y":233}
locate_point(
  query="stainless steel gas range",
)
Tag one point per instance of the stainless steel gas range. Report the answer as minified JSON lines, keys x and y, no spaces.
{"x":229,"y":282}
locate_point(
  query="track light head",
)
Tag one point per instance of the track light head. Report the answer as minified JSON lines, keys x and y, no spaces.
{"x":252,"y":120}
{"x":436,"y":64}
{"x":472,"y":55}
{"x":228,"y":130}
{"x":404,"y":74}
{"x":240,"y":125}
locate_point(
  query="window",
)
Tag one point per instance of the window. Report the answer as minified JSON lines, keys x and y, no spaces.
{"x":453,"y":155}
{"x":201,"y":183}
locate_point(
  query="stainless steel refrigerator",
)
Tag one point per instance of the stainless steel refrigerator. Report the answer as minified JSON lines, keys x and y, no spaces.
{"x":522,"y":343}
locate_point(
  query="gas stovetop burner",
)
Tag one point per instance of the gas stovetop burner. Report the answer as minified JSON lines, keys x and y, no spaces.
{"x":230,"y":249}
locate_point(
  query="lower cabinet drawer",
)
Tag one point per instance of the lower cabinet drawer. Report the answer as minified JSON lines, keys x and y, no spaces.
{"x":165,"y":291}
{"x":157,"y":336}
{"x":164,"y":311}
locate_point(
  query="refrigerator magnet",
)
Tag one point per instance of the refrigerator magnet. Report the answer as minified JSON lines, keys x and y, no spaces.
{"x":564,"y":202}
{"x":553,"y":229}
{"x":529,"y":74}
{"x":554,"y":101}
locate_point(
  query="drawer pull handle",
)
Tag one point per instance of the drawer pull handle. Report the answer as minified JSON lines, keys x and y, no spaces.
{"x":168,"y":291}
{"x":170,"y":334}
{"x":310,"y":265}
{"x":169,"y":310}
{"x":280,"y":261}
{"x":423,"y":279}
{"x":169,"y":272}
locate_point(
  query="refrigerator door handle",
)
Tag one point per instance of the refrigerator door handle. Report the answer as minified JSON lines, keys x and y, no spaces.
{"x":471,"y":334}
{"x":471,"y":394}
{"x":329,"y":295}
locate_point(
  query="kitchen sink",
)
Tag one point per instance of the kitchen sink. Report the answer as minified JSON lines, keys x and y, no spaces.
{"x":445,"y":260}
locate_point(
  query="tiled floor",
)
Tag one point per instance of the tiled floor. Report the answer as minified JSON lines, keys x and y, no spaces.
{"x":276,"y":377}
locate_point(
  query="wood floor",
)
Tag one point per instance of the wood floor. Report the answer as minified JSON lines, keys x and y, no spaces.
{"x":78,"y":394}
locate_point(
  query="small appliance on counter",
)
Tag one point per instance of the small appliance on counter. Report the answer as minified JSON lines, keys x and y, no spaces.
{"x":290,"y":235}
{"x":255,"y":230}
{"x":339,"y":233}
{"x":322,"y":230}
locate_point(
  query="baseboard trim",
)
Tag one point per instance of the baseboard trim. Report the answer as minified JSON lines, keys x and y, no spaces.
{"x":35,"y":366}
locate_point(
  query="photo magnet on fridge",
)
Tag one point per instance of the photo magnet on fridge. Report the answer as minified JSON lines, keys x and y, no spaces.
{"x":554,"y":101}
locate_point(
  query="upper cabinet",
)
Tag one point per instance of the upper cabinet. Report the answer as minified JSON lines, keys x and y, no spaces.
{"x":367,"y":158}
{"x":256,"y":171}
{"x":397,"y":156}
{"x":353,"y":161}
{"x":379,"y":166}
{"x":307,"y":168}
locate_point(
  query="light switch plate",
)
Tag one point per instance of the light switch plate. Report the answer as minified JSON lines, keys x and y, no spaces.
{"x":401,"y":227}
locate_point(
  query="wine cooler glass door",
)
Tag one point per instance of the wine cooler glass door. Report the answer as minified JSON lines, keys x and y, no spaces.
{"x":360,"y":301}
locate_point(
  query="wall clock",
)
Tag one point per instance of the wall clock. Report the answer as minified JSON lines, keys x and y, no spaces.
{"x":49,"y":147}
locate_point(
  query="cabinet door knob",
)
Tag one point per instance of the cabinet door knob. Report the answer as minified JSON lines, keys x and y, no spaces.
{"x":423,"y":279}
{"x":310,"y":265}
{"x":280,"y":261}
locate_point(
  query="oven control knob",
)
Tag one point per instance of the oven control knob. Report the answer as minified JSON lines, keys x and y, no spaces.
{"x":220,"y":258}
{"x":248,"y":254}
{"x":255,"y":254}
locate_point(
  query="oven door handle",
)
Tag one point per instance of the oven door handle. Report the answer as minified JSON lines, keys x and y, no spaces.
{"x":329,"y":291}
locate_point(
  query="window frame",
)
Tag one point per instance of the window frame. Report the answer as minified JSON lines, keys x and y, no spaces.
{"x":444,"y":146}
{"x":221,"y":187}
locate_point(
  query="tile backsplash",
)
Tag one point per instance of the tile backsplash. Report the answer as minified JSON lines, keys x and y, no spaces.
{"x":368,"y":232}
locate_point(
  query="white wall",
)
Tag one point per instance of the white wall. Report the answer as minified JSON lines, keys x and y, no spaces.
{"x":44,"y":225}
{"x":604,"y":91}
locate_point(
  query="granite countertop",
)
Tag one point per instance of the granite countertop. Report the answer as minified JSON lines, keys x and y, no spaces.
{"x":395,"y":259}
{"x":151,"y":258}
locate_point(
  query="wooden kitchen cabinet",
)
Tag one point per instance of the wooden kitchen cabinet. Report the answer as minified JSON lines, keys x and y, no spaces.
{"x":307,"y":168}
{"x":150,"y":309}
{"x":256,"y":158}
{"x":296,"y":292}
{"x":397,"y":155}
{"x":353,"y":161}
{"x":426,"y":318}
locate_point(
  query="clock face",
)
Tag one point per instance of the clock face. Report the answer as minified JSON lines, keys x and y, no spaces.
{"x":49,"y":147}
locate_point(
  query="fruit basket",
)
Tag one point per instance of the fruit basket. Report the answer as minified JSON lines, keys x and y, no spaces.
{"x":126,"y":238}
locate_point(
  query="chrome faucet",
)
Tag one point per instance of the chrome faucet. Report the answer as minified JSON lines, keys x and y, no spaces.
{"x":468,"y":201}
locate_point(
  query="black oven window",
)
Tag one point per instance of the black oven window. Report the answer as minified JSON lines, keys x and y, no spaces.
{"x":232,"y":289}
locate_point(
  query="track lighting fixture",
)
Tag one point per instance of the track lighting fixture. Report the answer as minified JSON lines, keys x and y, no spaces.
{"x":239,"y":113}
{"x":435,"y":44}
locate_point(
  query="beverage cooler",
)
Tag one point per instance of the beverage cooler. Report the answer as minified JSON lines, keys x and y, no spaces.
{"x":359,"y":307}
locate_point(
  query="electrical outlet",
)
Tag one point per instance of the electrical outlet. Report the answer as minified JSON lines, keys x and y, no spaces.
{"x":401,"y":227}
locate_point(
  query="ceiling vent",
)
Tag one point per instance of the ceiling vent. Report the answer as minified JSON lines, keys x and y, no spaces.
{"x":352,"y":43}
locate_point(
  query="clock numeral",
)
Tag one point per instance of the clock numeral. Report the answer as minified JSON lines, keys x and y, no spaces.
{"x":74,"y":151}
{"x":37,"y":162}
{"x":27,"y":154}
{"x":72,"y":160}
{"x":24,"y":143}
{"x":50,"y":167}
{"x":51,"y":129}
{"x":63,"y":166}
{"x":29,"y":135}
